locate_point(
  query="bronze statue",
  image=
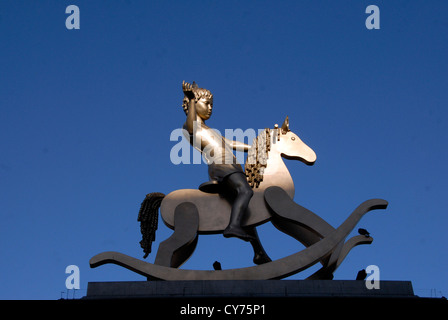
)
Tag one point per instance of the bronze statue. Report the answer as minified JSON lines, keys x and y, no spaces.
{"x":234,"y":202}
{"x":223,"y":167}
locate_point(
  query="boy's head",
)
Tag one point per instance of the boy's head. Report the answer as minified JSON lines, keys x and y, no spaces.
{"x":199,"y":94}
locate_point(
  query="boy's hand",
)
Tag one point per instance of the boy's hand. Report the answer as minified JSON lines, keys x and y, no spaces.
{"x":188,"y":90}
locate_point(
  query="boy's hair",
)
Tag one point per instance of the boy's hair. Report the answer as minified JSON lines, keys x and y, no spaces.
{"x":199,"y":93}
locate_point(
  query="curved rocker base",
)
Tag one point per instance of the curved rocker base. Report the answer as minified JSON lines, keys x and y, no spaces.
{"x":309,"y":228}
{"x":277,"y":269}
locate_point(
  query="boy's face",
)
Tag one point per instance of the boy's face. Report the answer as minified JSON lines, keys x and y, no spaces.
{"x":204,"y":108}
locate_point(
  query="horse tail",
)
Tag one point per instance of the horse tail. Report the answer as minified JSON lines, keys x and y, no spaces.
{"x":148,"y":217}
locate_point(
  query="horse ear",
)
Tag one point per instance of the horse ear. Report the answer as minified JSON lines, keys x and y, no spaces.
{"x":285,"y":125}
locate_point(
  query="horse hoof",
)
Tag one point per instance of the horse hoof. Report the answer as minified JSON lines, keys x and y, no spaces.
{"x":261,"y":258}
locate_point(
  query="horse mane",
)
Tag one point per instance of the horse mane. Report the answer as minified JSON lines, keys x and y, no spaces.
{"x":257,"y":158}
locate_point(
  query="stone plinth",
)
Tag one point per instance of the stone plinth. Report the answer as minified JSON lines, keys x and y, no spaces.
{"x":247,"y":288}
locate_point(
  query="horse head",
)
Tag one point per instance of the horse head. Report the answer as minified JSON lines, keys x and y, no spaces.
{"x":291,"y":146}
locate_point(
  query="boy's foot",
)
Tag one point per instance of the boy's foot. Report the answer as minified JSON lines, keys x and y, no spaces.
{"x":237,"y":232}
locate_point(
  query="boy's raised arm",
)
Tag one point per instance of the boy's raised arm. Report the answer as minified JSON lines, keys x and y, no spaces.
{"x":191,"y":115}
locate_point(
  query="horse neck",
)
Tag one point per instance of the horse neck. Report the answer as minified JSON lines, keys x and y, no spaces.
{"x":277,"y":174}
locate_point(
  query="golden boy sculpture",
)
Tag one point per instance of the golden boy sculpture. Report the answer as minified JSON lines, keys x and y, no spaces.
{"x":223,"y":167}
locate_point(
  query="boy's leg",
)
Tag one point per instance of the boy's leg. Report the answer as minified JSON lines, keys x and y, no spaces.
{"x":238,"y":183}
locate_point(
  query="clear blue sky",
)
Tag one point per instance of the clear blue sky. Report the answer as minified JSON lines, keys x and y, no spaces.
{"x":86,"y":116}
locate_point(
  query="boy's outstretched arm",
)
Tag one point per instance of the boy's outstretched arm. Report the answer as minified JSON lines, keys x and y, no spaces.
{"x":238,"y":146}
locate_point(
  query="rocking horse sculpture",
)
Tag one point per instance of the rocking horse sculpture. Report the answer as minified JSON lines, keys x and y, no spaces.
{"x":210,"y":209}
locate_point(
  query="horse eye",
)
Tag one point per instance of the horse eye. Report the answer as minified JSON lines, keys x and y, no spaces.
{"x":293,"y":138}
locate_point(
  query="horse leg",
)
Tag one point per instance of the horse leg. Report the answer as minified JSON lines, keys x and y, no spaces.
{"x":285,"y":208}
{"x":295,"y":220}
{"x":175,"y":250}
{"x":260,"y":255}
